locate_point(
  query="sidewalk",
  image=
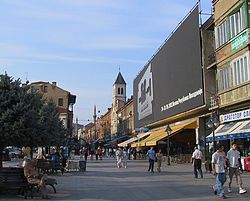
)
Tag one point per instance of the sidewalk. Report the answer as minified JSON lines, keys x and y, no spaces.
{"x":103,"y":181}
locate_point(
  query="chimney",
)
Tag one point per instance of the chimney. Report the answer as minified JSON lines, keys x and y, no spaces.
{"x":54,"y":83}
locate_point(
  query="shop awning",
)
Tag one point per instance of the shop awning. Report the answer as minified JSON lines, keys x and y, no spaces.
{"x":242,"y":131}
{"x":224,"y":131}
{"x":161,"y":134}
{"x":114,"y":142}
{"x":142,"y":143}
{"x":133,"y":139}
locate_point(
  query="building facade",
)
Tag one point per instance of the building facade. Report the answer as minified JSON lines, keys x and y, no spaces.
{"x":103,"y":127}
{"x":125,"y":119}
{"x":231,"y":18}
{"x":63,"y":99}
{"x":176,"y":93}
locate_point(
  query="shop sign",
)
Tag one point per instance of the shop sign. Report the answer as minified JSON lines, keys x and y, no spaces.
{"x":141,"y":130}
{"x":240,"y":41}
{"x":235,"y":116}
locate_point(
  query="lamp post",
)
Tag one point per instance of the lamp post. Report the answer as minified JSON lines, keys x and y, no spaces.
{"x":213,"y":123}
{"x":169,"y":131}
{"x":120,"y":128}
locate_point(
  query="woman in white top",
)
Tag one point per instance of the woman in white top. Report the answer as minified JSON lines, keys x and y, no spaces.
{"x":125,"y":158}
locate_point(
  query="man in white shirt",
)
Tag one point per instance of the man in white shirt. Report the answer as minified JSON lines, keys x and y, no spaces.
{"x":196,"y":157}
{"x":233,"y":159}
{"x":218,"y":169}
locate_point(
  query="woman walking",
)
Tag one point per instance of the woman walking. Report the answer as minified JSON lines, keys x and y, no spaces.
{"x":125,"y":158}
{"x":159,"y":157}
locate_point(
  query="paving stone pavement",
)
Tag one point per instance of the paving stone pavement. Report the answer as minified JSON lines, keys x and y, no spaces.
{"x":103,"y":181}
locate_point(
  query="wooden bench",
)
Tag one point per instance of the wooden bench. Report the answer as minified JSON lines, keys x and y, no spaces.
{"x":49,"y":166}
{"x":44,"y":165}
{"x":13,"y":178}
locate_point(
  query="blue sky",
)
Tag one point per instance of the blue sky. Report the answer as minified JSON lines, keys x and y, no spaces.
{"x":81,"y":44}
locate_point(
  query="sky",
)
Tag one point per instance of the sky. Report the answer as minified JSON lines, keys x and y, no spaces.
{"x":82,"y":44}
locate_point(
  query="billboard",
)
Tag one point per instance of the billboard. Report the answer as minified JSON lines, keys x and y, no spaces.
{"x":171,"y":83}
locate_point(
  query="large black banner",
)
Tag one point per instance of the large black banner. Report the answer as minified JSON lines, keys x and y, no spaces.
{"x":171,"y":83}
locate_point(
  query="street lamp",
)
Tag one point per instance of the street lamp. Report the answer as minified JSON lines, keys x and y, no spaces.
{"x":213,"y":123}
{"x":169,"y":131}
{"x":120,"y":127}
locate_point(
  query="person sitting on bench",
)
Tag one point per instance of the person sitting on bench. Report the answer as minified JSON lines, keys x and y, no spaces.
{"x":33,"y":176}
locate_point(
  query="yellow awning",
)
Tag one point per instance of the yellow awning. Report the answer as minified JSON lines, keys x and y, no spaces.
{"x":142,"y":143}
{"x":154,"y":141}
{"x":131,"y":140}
{"x":161,"y":134}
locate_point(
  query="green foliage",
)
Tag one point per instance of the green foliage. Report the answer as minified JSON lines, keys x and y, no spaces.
{"x":53,"y":131}
{"x":25,"y":120}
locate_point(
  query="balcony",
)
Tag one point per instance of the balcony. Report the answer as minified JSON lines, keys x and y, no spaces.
{"x":211,"y":59}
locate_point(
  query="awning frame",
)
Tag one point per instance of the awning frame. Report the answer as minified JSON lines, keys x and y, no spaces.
{"x":133,"y":139}
{"x":161,"y":134}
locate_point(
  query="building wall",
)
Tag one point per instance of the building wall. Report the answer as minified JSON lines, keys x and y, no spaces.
{"x":232,"y":92}
{"x":103,"y":125}
{"x":119,"y":96}
{"x":126,"y":118}
{"x":209,"y":61}
{"x":223,"y":7}
{"x":52,"y":92}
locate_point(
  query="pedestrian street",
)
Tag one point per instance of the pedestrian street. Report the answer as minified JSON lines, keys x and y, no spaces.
{"x":103,"y":181}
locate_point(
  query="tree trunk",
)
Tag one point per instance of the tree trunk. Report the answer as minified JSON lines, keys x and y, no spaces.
{"x":31,"y":152}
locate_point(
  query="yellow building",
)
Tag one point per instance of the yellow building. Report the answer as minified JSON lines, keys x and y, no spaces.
{"x":63,"y":99}
{"x":125,"y":118}
{"x":103,"y":126}
{"x":231,"y":18}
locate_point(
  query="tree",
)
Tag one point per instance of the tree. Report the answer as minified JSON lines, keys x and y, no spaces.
{"x":26,"y":120}
{"x":10,"y":111}
{"x":53,"y":131}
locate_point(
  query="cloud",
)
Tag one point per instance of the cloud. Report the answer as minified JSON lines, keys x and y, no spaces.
{"x":48,"y":58}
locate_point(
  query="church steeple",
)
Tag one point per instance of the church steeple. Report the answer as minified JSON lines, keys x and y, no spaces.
{"x":119,"y":89}
{"x":120,"y":79}
{"x":119,"y":100}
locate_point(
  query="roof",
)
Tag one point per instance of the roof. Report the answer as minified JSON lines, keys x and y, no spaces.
{"x":41,"y":82}
{"x":120,"y":79}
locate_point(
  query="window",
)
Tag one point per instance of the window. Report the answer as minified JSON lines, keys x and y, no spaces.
{"x":234,"y":73}
{"x":224,"y":78}
{"x":119,"y":90}
{"x":34,"y":89}
{"x":122,"y":91}
{"x":60,"y":101}
{"x":231,"y":26}
{"x":241,"y":69}
{"x":221,"y":33}
{"x":237,"y":22}
{"x":45,"y":89}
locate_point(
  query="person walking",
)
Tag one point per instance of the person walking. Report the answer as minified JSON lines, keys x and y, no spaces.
{"x":196,"y":158}
{"x":118,"y":154}
{"x":125,"y":158}
{"x":151,"y":159}
{"x":234,"y":163}
{"x":159,"y":157}
{"x":218,"y":169}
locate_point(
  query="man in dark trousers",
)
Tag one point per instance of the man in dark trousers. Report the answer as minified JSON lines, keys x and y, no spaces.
{"x":196,"y":157}
{"x":151,"y":159}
